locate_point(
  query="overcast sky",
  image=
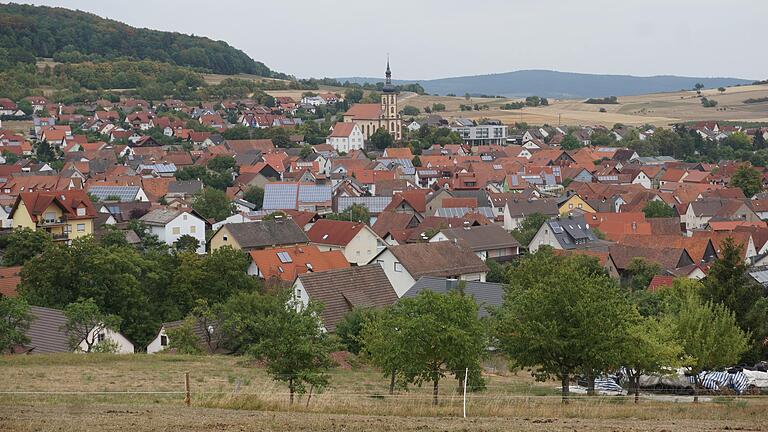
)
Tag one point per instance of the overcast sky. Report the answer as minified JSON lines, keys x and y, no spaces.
{"x":443,"y":38}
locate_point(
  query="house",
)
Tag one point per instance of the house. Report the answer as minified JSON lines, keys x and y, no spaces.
{"x":169,"y":224}
{"x":516,"y":210}
{"x":286,"y":263}
{"x":669,"y":259}
{"x":345,"y":137}
{"x":343,"y":290}
{"x":487,"y":295}
{"x":486,"y":241}
{"x":208,"y":339}
{"x":10,"y":277}
{"x":118,"y":193}
{"x":482,"y":134}
{"x":700,"y":212}
{"x":297,"y":196}
{"x":405,"y":264}
{"x":568,"y":233}
{"x":573,"y":204}
{"x":47,"y":334}
{"x":66,"y":215}
{"x":357,"y":241}
{"x":259,"y":235}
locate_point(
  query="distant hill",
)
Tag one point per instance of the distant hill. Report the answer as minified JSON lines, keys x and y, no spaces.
{"x":561,"y":85}
{"x":75,"y":36}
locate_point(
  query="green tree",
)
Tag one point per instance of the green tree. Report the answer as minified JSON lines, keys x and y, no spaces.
{"x":562,"y":315}
{"x":528,"y":228}
{"x":85,"y":322}
{"x":255,"y":196}
{"x":410,"y":110}
{"x":22,"y":244}
{"x":729,"y":284}
{"x":758,"y":142}
{"x":640,"y":272}
{"x":438,"y":107}
{"x":570,"y":143}
{"x":296,"y":349}
{"x":450,"y":334}
{"x":658,"y":209}
{"x":213,"y":204}
{"x":183,"y":338}
{"x":651,"y":347}
{"x":710,"y":337}
{"x":416,"y":161}
{"x":721,"y":89}
{"x":186,"y":243}
{"x":14,"y":322}
{"x":350,"y":328}
{"x":353,"y":95}
{"x":381,"y":139}
{"x":748,"y":180}
{"x":353,"y":213}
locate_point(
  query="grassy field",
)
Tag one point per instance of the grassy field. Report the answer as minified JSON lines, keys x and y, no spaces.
{"x":660,"y":109}
{"x":141,"y":392}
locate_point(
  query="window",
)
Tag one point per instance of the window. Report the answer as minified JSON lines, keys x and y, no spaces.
{"x":176,"y":230}
{"x":101,"y":337}
{"x":192,"y":229}
{"x":81,"y":227}
{"x":224,"y":238}
{"x":579,"y":205}
{"x":398,"y":267}
{"x":185,"y":217}
{"x":570,"y":206}
{"x":81,"y":211}
{"x":50,"y":217}
{"x":163,"y":340}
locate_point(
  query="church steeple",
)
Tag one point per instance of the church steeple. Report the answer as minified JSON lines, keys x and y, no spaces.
{"x":388,"y":87}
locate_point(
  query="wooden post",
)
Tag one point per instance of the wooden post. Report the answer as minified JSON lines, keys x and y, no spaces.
{"x":187,"y":398}
{"x":466,"y":376}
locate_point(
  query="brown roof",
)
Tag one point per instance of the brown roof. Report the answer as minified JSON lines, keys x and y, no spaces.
{"x":388,"y":221}
{"x":340,"y":291}
{"x":696,"y":246}
{"x":660,"y":281}
{"x":668,"y":258}
{"x":342,"y":130}
{"x":250,"y":146}
{"x":364,"y":111}
{"x":482,"y":237}
{"x":334,"y":232}
{"x":46,"y":333}
{"x":9,"y":280}
{"x":437,"y":259}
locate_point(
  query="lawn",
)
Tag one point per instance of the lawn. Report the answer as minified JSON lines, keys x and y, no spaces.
{"x":145,"y":392}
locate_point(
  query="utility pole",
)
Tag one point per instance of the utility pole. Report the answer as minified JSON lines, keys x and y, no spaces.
{"x":466,"y":375}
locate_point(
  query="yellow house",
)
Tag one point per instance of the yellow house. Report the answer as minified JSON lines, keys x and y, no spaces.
{"x":575,"y":205}
{"x":66,"y":215}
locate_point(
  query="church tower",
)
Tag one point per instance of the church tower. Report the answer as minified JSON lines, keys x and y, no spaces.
{"x":390,"y":116}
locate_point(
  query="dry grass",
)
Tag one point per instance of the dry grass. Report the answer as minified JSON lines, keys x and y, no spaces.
{"x":660,"y":109}
{"x":143,"y":392}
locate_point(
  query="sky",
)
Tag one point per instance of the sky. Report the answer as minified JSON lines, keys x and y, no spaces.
{"x":443,"y":38}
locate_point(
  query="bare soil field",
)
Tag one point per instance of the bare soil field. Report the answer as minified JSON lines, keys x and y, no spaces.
{"x":659,"y":109}
{"x":145,"y":393}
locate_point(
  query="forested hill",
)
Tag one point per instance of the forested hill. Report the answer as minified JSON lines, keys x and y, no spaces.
{"x":75,"y":36}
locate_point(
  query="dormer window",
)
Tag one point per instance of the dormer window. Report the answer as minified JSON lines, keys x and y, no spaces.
{"x":81,"y":211}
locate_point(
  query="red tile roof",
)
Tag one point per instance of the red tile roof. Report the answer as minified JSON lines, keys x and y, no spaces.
{"x":660,"y":281}
{"x":342,"y":130}
{"x":364,"y":111}
{"x":303,"y":259}
{"x":9,"y":280}
{"x":334,"y":232}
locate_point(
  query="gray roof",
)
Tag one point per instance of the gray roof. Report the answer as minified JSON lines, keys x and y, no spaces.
{"x":525,"y":208}
{"x":188,"y":187}
{"x":375,"y":204}
{"x":46,"y":333}
{"x":573,"y":232}
{"x":482,"y":237}
{"x":486,"y":294}
{"x":253,"y":235}
{"x":343,"y":290}
{"x":161,"y":216}
{"x":160,"y":168}
{"x":124,"y":193}
{"x":288,"y":196}
{"x":459,"y":212}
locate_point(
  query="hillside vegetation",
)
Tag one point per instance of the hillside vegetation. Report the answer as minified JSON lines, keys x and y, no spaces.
{"x":75,"y":36}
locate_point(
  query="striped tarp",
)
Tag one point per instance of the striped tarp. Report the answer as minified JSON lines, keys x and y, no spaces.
{"x":737,"y":381}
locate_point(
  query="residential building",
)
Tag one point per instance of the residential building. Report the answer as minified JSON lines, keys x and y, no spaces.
{"x":568,"y":233}
{"x":516,"y":210}
{"x":344,"y":290}
{"x":357,"y":241}
{"x":487,"y":295}
{"x":286,"y":263}
{"x":405,"y":264}
{"x":259,"y":235}
{"x":345,"y":137}
{"x":66,"y":215}
{"x":482,"y":134}
{"x":47,"y":334}
{"x":486,"y":241}
{"x":170,"y":224}
{"x":208,"y":339}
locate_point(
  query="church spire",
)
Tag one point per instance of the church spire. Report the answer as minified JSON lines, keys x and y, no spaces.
{"x":388,"y":87}
{"x":389,"y":72}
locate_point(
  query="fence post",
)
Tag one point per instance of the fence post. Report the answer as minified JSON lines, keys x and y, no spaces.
{"x":187,"y":398}
{"x":466,"y":375}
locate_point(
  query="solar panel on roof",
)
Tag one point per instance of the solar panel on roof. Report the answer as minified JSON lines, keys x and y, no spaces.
{"x":556,"y":228}
{"x":284,"y":257}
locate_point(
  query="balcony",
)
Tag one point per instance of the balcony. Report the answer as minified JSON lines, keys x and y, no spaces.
{"x":50,"y":222}
{"x":60,"y":237}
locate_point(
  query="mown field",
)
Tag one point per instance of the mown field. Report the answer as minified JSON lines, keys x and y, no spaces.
{"x":145,"y":393}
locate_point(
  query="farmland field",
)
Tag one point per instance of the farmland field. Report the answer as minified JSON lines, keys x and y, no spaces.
{"x":140,"y":392}
{"x":660,"y":109}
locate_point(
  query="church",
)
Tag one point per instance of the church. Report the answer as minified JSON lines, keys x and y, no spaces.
{"x":371,"y":117}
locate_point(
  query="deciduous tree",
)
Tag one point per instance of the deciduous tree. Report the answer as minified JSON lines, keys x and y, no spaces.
{"x":14,"y":322}
{"x":85,"y":324}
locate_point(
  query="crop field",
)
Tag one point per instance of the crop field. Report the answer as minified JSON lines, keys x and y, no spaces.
{"x":659,"y":109}
{"x":141,"y":392}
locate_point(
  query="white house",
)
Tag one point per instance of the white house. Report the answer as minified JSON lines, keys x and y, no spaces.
{"x":405,"y":264}
{"x":346,"y":136}
{"x":47,"y":334}
{"x":170,"y":224}
{"x":357,"y":241}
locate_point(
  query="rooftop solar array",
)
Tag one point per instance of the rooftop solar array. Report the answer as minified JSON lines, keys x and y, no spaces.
{"x":123,"y":193}
{"x":284,"y":257}
{"x":374,"y":204}
{"x":165,"y":168}
{"x":459,"y":212}
{"x":278,"y":196}
{"x":314,"y":193}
